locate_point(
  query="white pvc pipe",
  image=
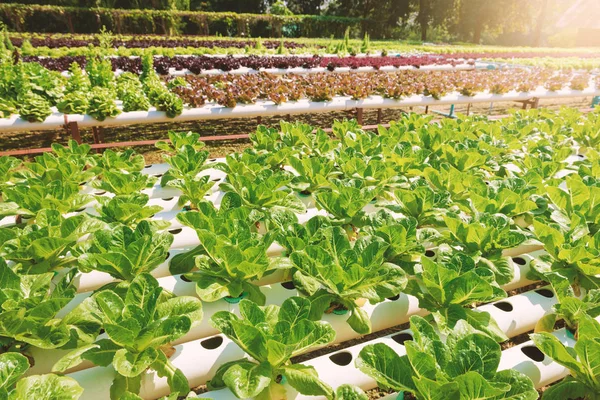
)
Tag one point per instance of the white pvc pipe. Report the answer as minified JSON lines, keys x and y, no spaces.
{"x":267,"y":108}
{"x":383,"y":315}
{"x":318,"y":70}
{"x":330,"y":371}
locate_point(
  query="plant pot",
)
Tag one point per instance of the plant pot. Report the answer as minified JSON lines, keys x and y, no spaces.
{"x":235,"y":300}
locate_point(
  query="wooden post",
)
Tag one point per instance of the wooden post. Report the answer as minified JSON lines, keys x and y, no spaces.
{"x":468,"y":109}
{"x":426,"y":109}
{"x":73,"y":129}
{"x":379,"y":115}
{"x":535,"y":102}
{"x":359,"y":115}
{"x":259,"y":120}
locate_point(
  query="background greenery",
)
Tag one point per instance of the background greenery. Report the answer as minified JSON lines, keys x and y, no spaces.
{"x":508,"y":22}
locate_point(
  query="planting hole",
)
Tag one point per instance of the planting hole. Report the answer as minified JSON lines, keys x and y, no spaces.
{"x":580,"y":156}
{"x":167,"y":199}
{"x":289,"y":285}
{"x":158,"y":175}
{"x":168,"y":255}
{"x":519,"y":260}
{"x":212,"y":343}
{"x":394,"y":298}
{"x":80,"y":209}
{"x":402,"y":337}
{"x":342,"y":359}
{"x":429,"y":253}
{"x":102,"y":331}
{"x":100,"y":193}
{"x":533,"y":352}
{"x":545,"y":292}
{"x":212,"y":159}
{"x":504,"y":306}
{"x":185,"y":278}
{"x":175,"y":231}
{"x":216,"y":179}
{"x":148,"y":166}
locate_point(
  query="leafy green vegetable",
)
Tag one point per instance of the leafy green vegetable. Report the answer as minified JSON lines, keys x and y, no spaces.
{"x":102,"y":104}
{"x":230,"y":256}
{"x":484,"y":237}
{"x":346,"y":201}
{"x":29,"y":306}
{"x":123,"y":183}
{"x":337,"y":273}
{"x":44,"y":246}
{"x":140,"y":323}
{"x":271,"y":336}
{"x":465,"y":367}
{"x":448,"y":288}
{"x":129,"y":210}
{"x":123,"y":252}
{"x":581,"y":361}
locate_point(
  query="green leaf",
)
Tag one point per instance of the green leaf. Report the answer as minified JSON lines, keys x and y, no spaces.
{"x":12,"y":367}
{"x":247,"y":379}
{"x":521,"y":386}
{"x":473,"y":386}
{"x":131,"y":364}
{"x":72,"y":358}
{"x":306,"y":381}
{"x":382,"y":363}
{"x":553,"y":348}
{"x":350,"y":392}
{"x":359,"y":321}
{"x":47,"y":387}
{"x":568,"y":388}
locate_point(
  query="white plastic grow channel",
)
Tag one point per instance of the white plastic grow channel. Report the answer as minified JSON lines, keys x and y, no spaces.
{"x":318,"y":70}
{"x":338,"y":368}
{"x":382,"y":316}
{"x":267,"y":108}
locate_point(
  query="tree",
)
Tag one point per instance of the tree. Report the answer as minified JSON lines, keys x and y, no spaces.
{"x":306,"y":7}
{"x":478,"y":16}
{"x":433,"y":12}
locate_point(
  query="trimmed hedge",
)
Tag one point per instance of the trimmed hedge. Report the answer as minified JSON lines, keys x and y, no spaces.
{"x":56,"y":19}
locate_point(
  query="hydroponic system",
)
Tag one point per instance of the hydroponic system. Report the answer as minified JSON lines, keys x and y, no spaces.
{"x":453,"y":258}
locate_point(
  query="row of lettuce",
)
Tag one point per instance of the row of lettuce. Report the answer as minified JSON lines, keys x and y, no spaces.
{"x":31,"y":91}
{"x":466,"y":188}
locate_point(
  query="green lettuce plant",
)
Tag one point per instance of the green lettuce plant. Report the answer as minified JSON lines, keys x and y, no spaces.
{"x":129,"y":210}
{"x":44,"y":246}
{"x":345,"y":202}
{"x":123,"y":183}
{"x":583,"y":365}
{"x":338,"y":274}
{"x":465,"y":367}
{"x":449,"y":287}
{"x":272,"y":335}
{"x":230,"y":257}
{"x":140,"y":322}
{"x":41,"y":387}
{"x":483,"y":238}
{"x":29,"y":307}
{"x":572,"y":254}
{"x":123,"y":252}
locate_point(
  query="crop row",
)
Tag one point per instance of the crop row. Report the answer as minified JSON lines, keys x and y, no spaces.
{"x":428,"y":210}
{"x":198,"y":64}
{"x":144,"y":42}
{"x":31,"y":91}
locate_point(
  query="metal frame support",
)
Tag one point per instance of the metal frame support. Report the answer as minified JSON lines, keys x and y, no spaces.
{"x":73,"y":129}
{"x":359,"y":115}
